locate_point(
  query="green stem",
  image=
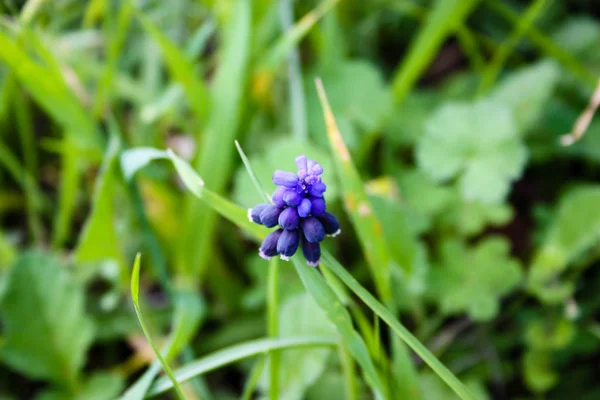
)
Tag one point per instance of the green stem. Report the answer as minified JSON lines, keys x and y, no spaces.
{"x":273,"y":325}
{"x":350,"y":386}
{"x":252,"y":381}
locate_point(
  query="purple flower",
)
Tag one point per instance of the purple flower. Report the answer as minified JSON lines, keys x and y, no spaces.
{"x":268,"y":248}
{"x":287,"y":244}
{"x":299,"y":208}
{"x":289,"y":219}
{"x":270,"y":215}
{"x":330,"y":223}
{"x":254,"y":213}
{"x":313,"y":230}
{"x":312,"y":252}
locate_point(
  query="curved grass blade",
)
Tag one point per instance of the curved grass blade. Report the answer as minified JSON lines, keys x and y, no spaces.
{"x":340,"y":318}
{"x":253,"y":177}
{"x":442,"y":20}
{"x":232,"y":354}
{"x":444,"y":373}
{"x":181,"y":69}
{"x":525,"y":22}
{"x":135,"y":290}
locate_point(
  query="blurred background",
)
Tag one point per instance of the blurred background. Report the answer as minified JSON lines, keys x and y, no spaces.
{"x":452,"y":111}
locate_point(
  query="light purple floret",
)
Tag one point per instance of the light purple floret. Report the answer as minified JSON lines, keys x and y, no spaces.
{"x":284,"y":178}
{"x":304,"y":208}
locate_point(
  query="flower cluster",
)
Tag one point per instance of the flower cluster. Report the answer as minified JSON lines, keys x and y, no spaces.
{"x":299,"y":209}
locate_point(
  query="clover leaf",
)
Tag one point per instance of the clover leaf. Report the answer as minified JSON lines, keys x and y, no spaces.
{"x":472,"y":280}
{"x":478,"y":144}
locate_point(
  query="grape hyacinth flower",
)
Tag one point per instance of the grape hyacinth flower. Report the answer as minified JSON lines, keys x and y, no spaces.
{"x":299,"y":209}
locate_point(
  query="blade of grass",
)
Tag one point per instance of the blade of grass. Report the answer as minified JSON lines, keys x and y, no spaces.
{"x":238,"y":216}
{"x":275,"y":56}
{"x":350,"y":386}
{"x":254,"y":377}
{"x":273,"y":325}
{"x":526,"y":21}
{"x":253,"y":177}
{"x":181,"y":69}
{"x":100,"y":224}
{"x":67,"y":201}
{"x":214,"y":161}
{"x":51,"y":93}
{"x":235,"y":353}
{"x":135,"y":289}
{"x":32,"y":190}
{"x":442,"y":20}
{"x":340,"y":318}
{"x":545,"y":44}
{"x":295,"y":85}
{"x":116,"y":31}
{"x":358,"y":206}
{"x":444,"y":373}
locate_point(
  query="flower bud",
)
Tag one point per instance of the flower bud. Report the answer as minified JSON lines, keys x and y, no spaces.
{"x":287,"y":244}
{"x":289,"y":219}
{"x":313,"y":230}
{"x":270,"y":215}
{"x":268,"y":248}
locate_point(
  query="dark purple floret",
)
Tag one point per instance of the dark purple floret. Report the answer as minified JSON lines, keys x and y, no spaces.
{"x":313,"y":230}
{"x":330,"y":223}
{"x":312,"y":252}
{"x":288,"y":243}
{"x":304,"y":208}
{"x":317,"y":189}
{"x":268,"y":248}
{"x":270,"y":216}
{"x":278,"y":196}
{"x":318,"y":206}
{"x":289,"y":219}
{"x":284,"y":178}
{"x":254,"y":213}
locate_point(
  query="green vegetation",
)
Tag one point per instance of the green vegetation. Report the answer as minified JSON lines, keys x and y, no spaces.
{"x":134,"y":136}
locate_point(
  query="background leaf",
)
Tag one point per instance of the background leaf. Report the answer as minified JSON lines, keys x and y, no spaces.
{"x":53,"y":345}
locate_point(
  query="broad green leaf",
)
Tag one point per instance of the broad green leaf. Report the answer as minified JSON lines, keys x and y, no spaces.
{"x":549,"y":334}
{"x":300,"y":315}
{"x":99,"y":386}
{"x":579,"y":34}
{"x":181,"y":69}
{"x":235,"y":353}
{"x":340,"y":318}
{"x":472,"y":280}
{"x":477,"y":143}
{"x":574,"y":230}
{"x":470,"y":218}
{"x":527,"y":92}
{"x":280,"y":155}
{"x":406,"y":124}
{"x":445,"y":17}
{"x":98,"y":239}
{"x":45,"y":329}
{"x":538,"y":372}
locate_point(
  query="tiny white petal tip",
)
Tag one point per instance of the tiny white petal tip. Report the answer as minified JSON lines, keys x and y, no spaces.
{"x":313,"y":263}
{"x":284,"y":258}
{"x":250,"y":215}
{"x":263,"y":255}
{"x":334,"y":234}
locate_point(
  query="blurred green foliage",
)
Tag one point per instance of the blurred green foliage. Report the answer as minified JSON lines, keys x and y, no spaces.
{"x":459,"y":207}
